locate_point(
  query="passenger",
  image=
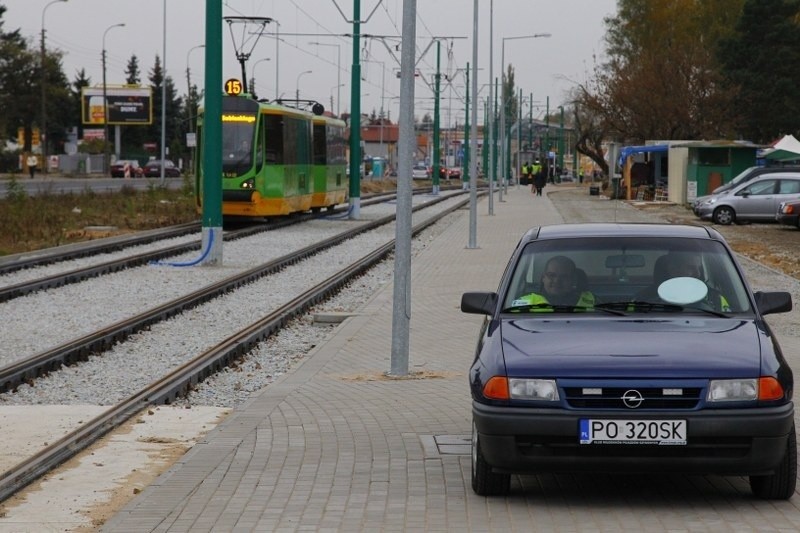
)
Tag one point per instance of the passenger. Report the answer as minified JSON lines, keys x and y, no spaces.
{"x":562,"y":285}
{"x":682,"y":265}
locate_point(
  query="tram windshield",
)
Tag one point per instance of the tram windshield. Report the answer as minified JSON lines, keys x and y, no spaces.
{"x":237,"y":146}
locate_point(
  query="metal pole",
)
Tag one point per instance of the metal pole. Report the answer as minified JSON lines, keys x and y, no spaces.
{"x":277,"y":57}
{"x":465,"y":163}
{"x":164,"y":95}
{"x":401,"y":310}
{"x":105,"y":99}
{"x":253,"y":74}
{"x":491,"y":173}
{"x":43,"y":138}
{"x":355,"y":114}
{"x":297,"y":85}
{"x":437,"y":166}
{"x":212,"y":137}
{"x":473,"y":150}
{"x":518,"y":168}
{"x":191,"y":103}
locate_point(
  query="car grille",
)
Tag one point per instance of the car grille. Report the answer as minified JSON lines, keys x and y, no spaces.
{"x":653,"y":398}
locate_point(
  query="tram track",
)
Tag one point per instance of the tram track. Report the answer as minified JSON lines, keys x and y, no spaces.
{"x":29,"y":369}
{"x":187,"y":375}
{"x":78,"y":275}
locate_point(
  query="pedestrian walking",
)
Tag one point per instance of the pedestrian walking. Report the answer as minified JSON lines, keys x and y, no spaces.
{"x":32,"y":161}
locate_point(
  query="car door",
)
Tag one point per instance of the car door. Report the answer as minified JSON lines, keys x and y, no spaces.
{"x":756,"y":201}
{"x":788,"y":190}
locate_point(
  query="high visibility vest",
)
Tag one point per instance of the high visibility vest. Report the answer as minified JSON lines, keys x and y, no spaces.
{"x":585,"y":300}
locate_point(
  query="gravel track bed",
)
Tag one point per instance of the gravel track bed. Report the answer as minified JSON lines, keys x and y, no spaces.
{"x":44,"y":319}
{"x":133,"y":364}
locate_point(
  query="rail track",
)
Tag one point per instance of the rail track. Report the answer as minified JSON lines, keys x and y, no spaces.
{"x":52,"y":256}
{"x":185,"y":377}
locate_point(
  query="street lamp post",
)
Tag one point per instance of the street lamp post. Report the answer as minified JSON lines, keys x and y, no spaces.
{"x":253,"y":74}
{"x":189,"y":79}
{"x":105,"y":99}
{"x":191,"y":103}
{"x":504,"y":170}
{"x":339,"y":83}
{"x":43,"y":134}
{"x":297,"y":84}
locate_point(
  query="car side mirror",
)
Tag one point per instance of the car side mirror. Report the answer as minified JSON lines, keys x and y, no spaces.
{"x":773,"y":302}
{"x":479,"y":302}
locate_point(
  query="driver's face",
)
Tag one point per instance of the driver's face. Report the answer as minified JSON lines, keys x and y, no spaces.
{"x":558,"y":278}
{"x":688,"y":268}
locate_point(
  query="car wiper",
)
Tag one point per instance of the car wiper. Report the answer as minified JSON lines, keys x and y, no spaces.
{"x":708,"y":311}
{"x":546,"y":307}
{"x":638,"y":305}
{"x":646,"y":306}
{"x":614,"y":308}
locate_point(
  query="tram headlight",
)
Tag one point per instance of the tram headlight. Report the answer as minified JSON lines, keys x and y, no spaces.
{"x":249,"y":184}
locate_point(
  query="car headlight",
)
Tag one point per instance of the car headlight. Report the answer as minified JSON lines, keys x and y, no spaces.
{"x":248,"y":184}
{"x":732,"y":390}
{"x":710,"y":201}
{"x":533,"y":389}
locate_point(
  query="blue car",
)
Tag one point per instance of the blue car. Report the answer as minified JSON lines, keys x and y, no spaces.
{"x":629,"y":347}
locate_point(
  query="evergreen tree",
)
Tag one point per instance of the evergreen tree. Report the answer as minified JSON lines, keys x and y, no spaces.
{"x":176,"y":127}
{"x":76,"y":104}
{"x":760,"y":61}
{"x":132,"y":74}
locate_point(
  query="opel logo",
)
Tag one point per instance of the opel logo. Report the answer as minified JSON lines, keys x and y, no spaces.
{"x":632,"y":399}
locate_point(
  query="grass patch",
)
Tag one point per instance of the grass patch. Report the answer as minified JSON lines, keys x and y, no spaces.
{"x":51,"y":218}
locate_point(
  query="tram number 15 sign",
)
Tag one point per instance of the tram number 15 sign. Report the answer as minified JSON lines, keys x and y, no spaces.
{"x":233,"y":87}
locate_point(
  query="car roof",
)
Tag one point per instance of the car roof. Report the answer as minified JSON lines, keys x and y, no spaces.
{"x":570,"y":231}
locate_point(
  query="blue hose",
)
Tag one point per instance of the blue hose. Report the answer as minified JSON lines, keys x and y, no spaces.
{"x":190,"y":263}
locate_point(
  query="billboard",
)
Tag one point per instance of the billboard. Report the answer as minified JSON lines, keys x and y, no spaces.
{"x":126,"y":105}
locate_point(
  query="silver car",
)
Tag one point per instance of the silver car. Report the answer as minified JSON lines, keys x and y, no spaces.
{"x":755,"y":200}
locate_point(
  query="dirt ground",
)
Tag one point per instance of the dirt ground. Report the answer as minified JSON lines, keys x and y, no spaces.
{"x":774,"y":245}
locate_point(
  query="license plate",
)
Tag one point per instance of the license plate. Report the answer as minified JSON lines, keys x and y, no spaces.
{"x":659,"y":432}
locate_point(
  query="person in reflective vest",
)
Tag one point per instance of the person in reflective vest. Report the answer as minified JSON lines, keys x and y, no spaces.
{"x":563,"y":284}
{"x":683,"y":265}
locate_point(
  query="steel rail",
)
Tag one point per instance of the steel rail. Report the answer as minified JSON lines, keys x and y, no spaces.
{"x":79,"y":349}
{"x":185,"y":377}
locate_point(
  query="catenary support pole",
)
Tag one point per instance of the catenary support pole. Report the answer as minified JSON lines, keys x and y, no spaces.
{"x":401,"y":310}
{"x":212,"y":137}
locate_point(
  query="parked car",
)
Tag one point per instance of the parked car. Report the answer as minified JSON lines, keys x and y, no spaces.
{"x":152,"y":169}
{"x":754,"y":200}
{"x":118,"y":168}
{"x":629,"y":347}
{"x":789,"y":213}
{"x":743,"y":177}
{"x":420,"y":172}
{"x":454,"y":173}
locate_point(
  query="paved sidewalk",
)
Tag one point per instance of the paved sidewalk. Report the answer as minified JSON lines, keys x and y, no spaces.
{"x":336,"y":446}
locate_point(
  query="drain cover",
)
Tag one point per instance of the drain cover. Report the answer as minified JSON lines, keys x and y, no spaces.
{"x":438,"y":445}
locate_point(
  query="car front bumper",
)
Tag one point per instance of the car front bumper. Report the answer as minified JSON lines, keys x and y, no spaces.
{"x":720,"y":441}
{"x":788,"y":220}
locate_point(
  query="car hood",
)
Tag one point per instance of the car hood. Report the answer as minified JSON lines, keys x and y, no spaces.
{"x":657,"y":348}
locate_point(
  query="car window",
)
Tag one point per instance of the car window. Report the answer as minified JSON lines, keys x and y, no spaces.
{"x":618,"y":271}
{"x":759,"y":188}
{"x":789,"y":186}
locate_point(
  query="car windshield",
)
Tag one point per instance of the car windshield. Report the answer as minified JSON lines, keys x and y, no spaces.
{"x":626,"y":275}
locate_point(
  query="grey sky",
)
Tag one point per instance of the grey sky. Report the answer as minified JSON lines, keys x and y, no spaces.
{"x":544,"y":66}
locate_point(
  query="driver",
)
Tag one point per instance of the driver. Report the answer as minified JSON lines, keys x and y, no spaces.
{"x":560,"y":286}
{"x":683,"y":265}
